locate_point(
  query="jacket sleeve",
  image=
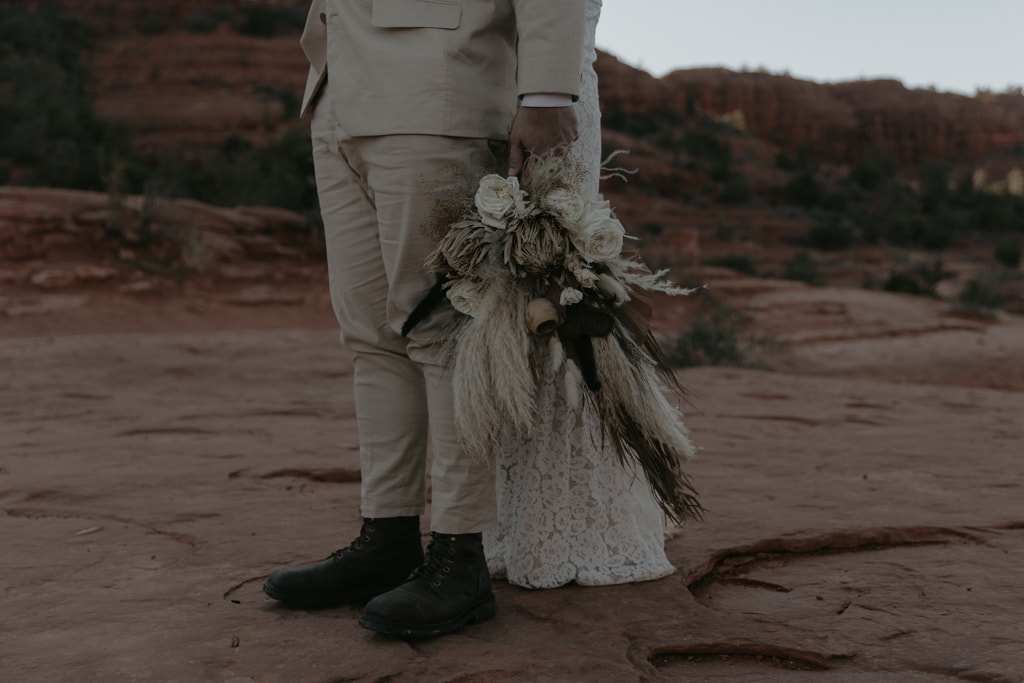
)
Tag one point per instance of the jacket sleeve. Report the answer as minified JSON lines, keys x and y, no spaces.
{"x":550,"y":45}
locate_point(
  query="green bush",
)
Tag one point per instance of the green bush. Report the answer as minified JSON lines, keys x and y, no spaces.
{"x":716,"y":336}
{"x":153,"y":25}
{"x":978,"y":296}
{"x":735,"y":189}
{"x":289,"y":99}
{"x":804,"y":189}
{"x":801,"y":268}
{"x":741,"y":263}
{"x":277,"y":174}
{"x":199,"y":21}
{"x":647,"y":126}
{"x":1007,"y":252}
{"x":873,"y":172}
{"x":784,"y":161}
{"x":922,"y":279}
{"x":1002,"y":213}
{"x":268,"y":21}
{"x":50,"y":134}
{"x":833,"y":232}
{"x":903,"y":282}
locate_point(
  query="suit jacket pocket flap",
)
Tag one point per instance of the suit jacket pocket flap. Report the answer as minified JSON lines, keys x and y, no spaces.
{"x":416,"y":14}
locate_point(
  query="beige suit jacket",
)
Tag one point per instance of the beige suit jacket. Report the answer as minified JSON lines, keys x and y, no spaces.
{"x":440,"y":67}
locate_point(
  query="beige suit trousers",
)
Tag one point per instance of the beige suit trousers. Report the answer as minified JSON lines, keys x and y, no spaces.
{"x":377,"y":194}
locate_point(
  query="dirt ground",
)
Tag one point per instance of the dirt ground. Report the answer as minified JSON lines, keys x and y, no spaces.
{"x":161,"y":453}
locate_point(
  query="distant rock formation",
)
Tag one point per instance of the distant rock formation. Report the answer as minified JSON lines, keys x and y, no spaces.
{"x":840,"y":122}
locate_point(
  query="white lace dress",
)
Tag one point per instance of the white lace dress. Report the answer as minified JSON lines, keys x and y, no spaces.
{"x":567,"y":510}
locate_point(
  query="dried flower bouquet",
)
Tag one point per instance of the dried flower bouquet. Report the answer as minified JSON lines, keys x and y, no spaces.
{"x":538,"y":274}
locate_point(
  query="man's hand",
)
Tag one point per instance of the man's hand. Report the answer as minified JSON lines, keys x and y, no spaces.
{"x":539,"y":131}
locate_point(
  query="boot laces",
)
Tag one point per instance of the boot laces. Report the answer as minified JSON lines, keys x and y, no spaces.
{"x":439,"y":560}
{"x":361,"y":541}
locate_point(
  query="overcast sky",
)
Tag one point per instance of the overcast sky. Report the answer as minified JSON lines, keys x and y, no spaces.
{"x":955,"y":46}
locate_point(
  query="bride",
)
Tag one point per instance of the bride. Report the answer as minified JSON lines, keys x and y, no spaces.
{"x":567,"y":509}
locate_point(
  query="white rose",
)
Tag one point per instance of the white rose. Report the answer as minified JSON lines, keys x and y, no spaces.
{"x":566,"y":204}
{"x":601,"y":233}
{"x":570,"y":296}
{"x":585,"y":276}
{"x":465,"y":296}
{"x":495,"y":197}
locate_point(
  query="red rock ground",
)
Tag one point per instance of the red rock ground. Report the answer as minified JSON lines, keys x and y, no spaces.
{"x":166,"y":446}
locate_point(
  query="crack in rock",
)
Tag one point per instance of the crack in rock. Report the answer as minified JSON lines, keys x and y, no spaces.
{"x":42,"y":513}
{"x":230,"y":591}
{"x":727,"y":562}
{"x":750,"y":651}
{"x":332,"y":475}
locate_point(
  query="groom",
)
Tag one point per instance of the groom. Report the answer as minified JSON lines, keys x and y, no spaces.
{"x":412,"y":101}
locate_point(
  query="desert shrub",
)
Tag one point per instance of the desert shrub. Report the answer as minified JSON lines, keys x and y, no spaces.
{"x":802,"y":268}
{"x":288,"y":98}
{"x":741,"y":263}
{"x":50,"y":134}
{"x":979,"y":296}
{"x":904,"y":229}
{"x":932,"y":273}
{"x":833,"y":232}
{"x":836,"y":202}
{"x":717,"y":335}
{"x":1000,"y":213}
{"x":153,"y":25}
{"x":735,"y":189}
{"x":704,"y":142}
{"x":804,"y":188}
{"x":943,"y":229}
{"x":198,"y":21}
{"x":1007,"y":252}
{"x":784,"y":161}
{"x":894,"y":214}
{"x":922,"y":279}
{"x":155,"y":245}
{"x":267,"y":21}
{"x":902,"y":282}
{"x":642,"y":125}
{"x":873,"y":171}
{"x":278,"y":174}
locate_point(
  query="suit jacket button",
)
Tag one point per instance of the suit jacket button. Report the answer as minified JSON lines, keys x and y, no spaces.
{"x":323,"y":18}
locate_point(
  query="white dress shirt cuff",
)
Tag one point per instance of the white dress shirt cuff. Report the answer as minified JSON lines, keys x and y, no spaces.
{"x":546,"y":99}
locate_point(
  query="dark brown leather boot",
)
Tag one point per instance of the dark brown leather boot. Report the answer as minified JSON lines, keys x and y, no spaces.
{"x":451,"y":589}
{"x":386,"y":552}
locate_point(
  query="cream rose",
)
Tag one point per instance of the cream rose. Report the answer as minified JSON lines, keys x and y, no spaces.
{"x":585,"y":276}
{"x":495,"y":197}
{"x":568,"y":205}
{"x":601,"y":234}
{"x":570,"y":296}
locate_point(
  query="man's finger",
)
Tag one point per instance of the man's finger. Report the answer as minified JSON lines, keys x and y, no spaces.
{"x":515,"y":159}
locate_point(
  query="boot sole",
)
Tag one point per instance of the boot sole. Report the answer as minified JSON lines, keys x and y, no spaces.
{"x":322,"y":601}
{"x":476,"y":614}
